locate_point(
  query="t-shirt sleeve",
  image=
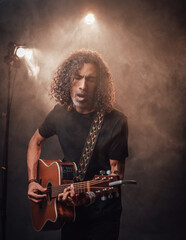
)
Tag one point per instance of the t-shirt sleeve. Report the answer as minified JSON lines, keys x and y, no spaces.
{"x":48,"y":127}
{"x":119,"y":143}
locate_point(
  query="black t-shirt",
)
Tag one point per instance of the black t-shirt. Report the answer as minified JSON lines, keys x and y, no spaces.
{"x":72,"y":129}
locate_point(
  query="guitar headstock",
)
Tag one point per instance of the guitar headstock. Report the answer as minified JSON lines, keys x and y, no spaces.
{"x":100,"y":186}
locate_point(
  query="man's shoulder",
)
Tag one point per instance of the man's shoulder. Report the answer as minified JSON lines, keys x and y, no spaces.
{"x":116,"y":115}
{"x":116,"y":122}
{"x":57,"y":112}
{"x":58,"y":108}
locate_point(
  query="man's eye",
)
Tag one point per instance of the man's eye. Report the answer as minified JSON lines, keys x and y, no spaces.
{"x":91,"y":79}
{"x":78,"y":77}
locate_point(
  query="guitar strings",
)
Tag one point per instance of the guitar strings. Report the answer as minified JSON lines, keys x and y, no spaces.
{"x":79,"y":186}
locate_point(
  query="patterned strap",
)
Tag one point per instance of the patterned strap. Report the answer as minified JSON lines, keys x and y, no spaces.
{"x":89,"y":146}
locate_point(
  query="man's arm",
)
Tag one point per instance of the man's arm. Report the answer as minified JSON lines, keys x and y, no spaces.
{"x":118,"y":166}
{"x":33,"y":154}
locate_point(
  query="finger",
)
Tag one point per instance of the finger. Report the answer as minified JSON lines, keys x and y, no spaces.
{"x":37,"y":185}
{"x":36,"y":193}
{"x":65,"y":195}
{"x":35,"y":200}
{"x":36,"y":196}
{"x":37,"y":189}
{"x":72,"y":191}
{"x":40,"y":188}
{"x":66,"y":190}
{"x":60,"y":197}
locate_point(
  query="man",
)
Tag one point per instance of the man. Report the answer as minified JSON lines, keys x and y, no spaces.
{"x":83,"y":86}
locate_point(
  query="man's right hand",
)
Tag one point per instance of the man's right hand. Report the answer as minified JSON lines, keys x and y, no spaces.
{"x":36,"y":192}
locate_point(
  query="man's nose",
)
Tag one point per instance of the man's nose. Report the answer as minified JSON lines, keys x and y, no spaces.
{"x":82,"y":83}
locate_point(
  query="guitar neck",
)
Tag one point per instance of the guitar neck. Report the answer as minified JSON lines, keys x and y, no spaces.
{"x":95,"y":185}
{"x":78,"y":188}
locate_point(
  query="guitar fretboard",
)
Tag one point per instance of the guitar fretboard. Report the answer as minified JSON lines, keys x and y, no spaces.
{"x":96,"y":184}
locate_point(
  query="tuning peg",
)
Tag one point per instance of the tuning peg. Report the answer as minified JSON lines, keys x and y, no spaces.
{"x":102,"y":172}
{"x":108,"y":172}
{"x":110,"y":196}
{"x":103,"y":198}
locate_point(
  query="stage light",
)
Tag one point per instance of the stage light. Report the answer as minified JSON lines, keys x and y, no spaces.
{"x":90,"y":19}
{"x":13,"y":56}
{"x":23,"y":52}
{"x":20,"y":52}
{"x":16,"y":52}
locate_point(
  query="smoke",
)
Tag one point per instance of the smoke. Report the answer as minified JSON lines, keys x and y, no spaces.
{"x":143,"y":42}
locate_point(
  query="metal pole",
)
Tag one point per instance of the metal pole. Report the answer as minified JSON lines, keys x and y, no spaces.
{"x":5,"y":161}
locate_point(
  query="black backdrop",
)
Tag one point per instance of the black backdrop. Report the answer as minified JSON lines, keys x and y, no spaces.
{"x":144,"y":45}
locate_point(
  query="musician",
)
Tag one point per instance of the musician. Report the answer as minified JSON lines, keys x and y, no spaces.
{"x":82,"y":86}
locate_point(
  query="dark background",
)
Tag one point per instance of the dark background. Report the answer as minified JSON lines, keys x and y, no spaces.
{"x":144,"y":44}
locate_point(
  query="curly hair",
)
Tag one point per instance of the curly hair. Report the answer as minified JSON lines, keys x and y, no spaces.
{"x":61,"y":83}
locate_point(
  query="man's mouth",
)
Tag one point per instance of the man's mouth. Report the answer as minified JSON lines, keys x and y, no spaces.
{"x":81,"y":96}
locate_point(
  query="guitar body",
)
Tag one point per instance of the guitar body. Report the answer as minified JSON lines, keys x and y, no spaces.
{"x":50,"y":211}
{"x":56,"y":176}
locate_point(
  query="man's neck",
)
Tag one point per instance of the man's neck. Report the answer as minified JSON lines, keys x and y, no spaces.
{"x":84,"y":110}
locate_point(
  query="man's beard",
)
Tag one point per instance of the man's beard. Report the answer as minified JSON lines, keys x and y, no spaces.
{"x":77,"y":103}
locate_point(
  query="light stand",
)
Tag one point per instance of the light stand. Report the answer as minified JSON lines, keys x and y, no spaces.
{"x":12,"y":61}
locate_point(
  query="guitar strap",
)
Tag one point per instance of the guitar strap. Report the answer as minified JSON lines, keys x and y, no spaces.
{"x":89,"y":146}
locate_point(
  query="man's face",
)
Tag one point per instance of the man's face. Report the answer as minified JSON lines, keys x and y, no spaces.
{"x":83,"y":88}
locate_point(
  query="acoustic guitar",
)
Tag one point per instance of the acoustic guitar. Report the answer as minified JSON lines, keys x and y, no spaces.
{"x":56,"y":175}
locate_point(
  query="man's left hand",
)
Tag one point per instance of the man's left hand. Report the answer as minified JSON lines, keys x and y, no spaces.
{"x":71,"y":198}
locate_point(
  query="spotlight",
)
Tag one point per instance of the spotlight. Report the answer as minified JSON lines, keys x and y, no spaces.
{"x":23,"y":52}
{"x":14,"y":53}
{"x":20,"y":52}
{"x":90,"y":19}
